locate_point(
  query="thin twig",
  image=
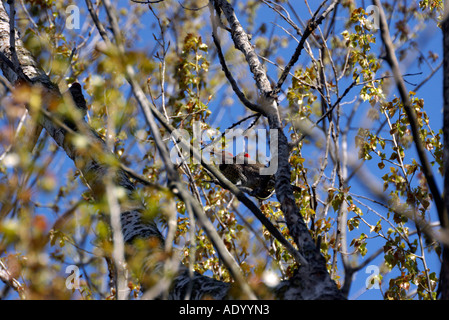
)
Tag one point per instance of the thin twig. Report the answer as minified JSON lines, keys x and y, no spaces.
{"x":19,"y":127}
{"x":193,"y":9}
{"x":147,"y":1}
{"x":416,"y":88}
{"x":97,"y":22}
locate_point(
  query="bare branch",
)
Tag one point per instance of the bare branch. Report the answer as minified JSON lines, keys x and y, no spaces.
{"x":242,"y":43}
{"x":12,"y":33}
{"x":97,"y":22}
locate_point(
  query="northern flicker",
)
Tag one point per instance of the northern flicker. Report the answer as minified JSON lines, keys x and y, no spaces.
{"x":78,"y":97}
{"x":239,"y":171}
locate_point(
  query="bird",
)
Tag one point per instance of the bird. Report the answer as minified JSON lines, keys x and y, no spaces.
{"x":78,"y":97}
{"x":246,"y":173}
{"x":242,"y":173}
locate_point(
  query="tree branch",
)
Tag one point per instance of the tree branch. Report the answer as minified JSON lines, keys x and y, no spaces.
{"x":224,"y":67}
{"x":8,"y":279}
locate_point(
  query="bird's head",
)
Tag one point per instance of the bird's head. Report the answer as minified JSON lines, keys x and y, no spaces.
{"x":242,"y":158}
